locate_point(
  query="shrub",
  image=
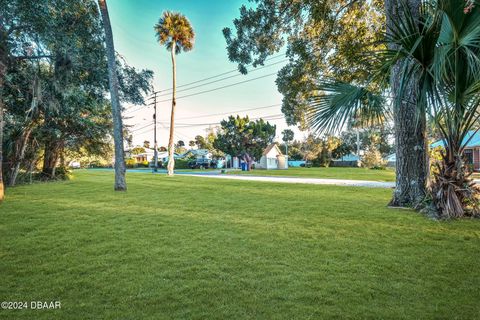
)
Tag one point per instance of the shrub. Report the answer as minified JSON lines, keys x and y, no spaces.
{"x":95,"y":164}
{"x":373,"y":159}
{"x":63,"y":173}
{"x":144,"y":164}
{"x":181,"y":164}
{"x":131,"y":163}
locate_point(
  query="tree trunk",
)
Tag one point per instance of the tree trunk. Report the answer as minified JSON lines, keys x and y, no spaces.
{"x":452,"y":187}
{"x":3,"y":71}
{"x":50,"y":158}
{"x":2,"y":124}
{"x":21,"y":146}
{"x":120,"y":182}
{"x":412,"y":170}
{"x":171,"y":160}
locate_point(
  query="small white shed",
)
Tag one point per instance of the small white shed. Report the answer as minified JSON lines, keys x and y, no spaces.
{"x":273,"y":158}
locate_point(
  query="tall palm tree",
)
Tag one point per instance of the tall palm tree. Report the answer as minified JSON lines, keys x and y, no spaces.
{"x":287,"y":136}
{"x":175,"y":32}
{"x":120,"y":182}
{"x":439,"y":52}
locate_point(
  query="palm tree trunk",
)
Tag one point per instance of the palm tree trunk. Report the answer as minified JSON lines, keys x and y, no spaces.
{"x":452,"y":188}
{"x":171,"y":159}
{"x":411,"y":149}
{"x":120,"y":182}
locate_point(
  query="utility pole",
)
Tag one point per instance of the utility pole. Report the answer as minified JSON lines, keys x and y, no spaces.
{"x":155,"y":145}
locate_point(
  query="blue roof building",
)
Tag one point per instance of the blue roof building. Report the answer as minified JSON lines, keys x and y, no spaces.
{"x":472,"y":148}
{"x":473,"y":135}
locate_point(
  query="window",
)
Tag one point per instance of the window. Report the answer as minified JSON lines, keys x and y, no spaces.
{"x":468,"y":156}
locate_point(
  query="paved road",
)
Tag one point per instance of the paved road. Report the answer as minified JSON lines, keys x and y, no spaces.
{"x":336,"y":182}
{"x":217,"y":175}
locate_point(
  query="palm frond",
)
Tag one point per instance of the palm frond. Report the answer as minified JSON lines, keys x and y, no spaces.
{"x":174,"y":27}
{"x":342,"y":102}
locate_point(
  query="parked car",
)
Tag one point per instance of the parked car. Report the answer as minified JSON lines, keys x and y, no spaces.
{"x":307,"y":164}
{"x":75,"y":165}
{"x":202,"y":163}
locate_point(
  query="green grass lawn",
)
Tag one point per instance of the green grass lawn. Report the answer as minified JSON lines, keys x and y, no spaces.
{"x":197,"y":248}
{"x":327,"y":173}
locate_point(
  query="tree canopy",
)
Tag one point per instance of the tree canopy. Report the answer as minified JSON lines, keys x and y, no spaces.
{"x":55,"y":85}
{"x":322,"y":39}
{"x":238,"y":136}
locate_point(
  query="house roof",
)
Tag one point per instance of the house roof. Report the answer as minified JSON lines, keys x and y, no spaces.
{"x":348,"y":157}
{"x":270,"y":147}
{"x":196,"y":152}
{"x":472,"y":139}
{"x":391,"y":158}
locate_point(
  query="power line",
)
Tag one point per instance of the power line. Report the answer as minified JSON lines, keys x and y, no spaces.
{"x":206,"y":91}
{"x":146,"y":126}
{"x":186,"y":125}
{"x":221,"y":74}
{"x":215,"y":114}
{"x":230,"y":112}
{"x":212,"y":77}
{"x":222,"y":87}
{"x":132,"y":111}
{"x":220,"y":114}
{"x":222,"y":79}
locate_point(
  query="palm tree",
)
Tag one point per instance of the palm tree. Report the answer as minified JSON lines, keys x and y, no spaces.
{"x":287,"y":136}
{"x":175,"y":32}
{"x":438,"y":52}
{"x":120,"y":182}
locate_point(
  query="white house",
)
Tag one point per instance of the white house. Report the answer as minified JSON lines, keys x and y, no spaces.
{"x":272,"y":158}
{"x":149,"y":155}
{"x":140,"y":157}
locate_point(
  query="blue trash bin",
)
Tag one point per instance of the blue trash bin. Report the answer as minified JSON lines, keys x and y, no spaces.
{"x":244,"y":166}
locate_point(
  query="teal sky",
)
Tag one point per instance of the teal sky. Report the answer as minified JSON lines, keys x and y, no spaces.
{"x":132,"y":24}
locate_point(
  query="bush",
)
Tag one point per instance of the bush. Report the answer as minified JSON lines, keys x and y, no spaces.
{"x":373,"y":159}
{"x":99,"y":164}
{"x":144,"y":164}
{"x":131,"y":163}
{"x":179,"y":164}
{"x":63,"y":173}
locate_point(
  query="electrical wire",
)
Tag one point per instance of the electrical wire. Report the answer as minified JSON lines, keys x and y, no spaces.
{"x":222,"y":79}
{"x":218,"y":75}
{"x":222,"y":87}
{"x":230,"y":112}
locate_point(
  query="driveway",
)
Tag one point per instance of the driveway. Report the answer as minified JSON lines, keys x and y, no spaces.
{"x":336,"y":182}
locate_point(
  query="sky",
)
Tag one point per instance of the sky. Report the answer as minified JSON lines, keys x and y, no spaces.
{"x":134,"y":38}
